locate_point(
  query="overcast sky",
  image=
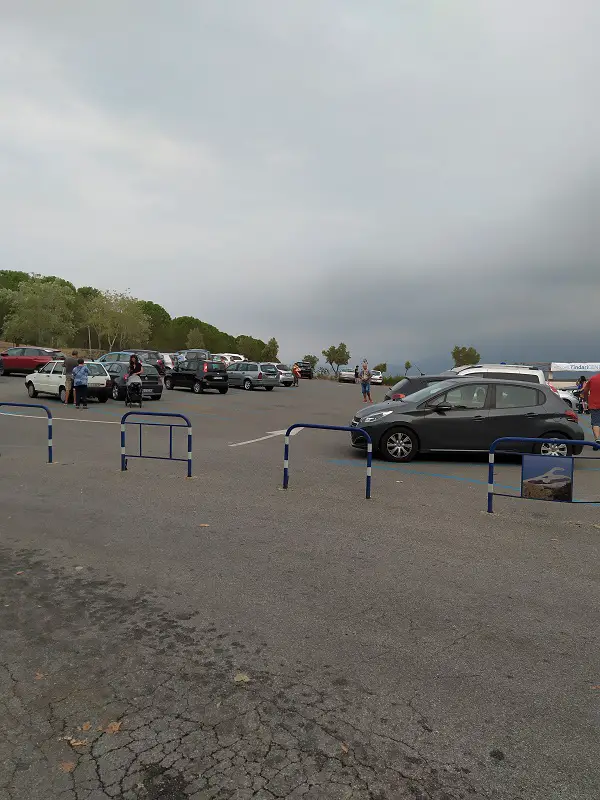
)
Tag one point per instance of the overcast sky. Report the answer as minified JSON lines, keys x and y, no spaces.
{"x":402,"y":176}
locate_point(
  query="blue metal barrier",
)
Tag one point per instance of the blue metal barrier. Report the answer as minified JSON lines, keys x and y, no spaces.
{"x":170,"y":426}
{"x":49,"y":414}
{"x":286,"y":453}
{"x":523,"y":439}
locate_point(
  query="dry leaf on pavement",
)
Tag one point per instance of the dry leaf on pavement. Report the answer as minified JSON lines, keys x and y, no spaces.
{"x":113,"y":727}
{"x":241,"y":677}
{"x":39,"y":676}
{"x":204,"y":525}
{"x":67,"y":766}
{"x":75,"y":742}
{"x":345,"y":747}
{"x":86,"y":726}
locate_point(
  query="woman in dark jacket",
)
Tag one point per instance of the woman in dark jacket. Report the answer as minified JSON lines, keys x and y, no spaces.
{"x":135,"y":365}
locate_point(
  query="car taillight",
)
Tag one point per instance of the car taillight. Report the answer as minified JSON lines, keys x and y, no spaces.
{"x":205,"y":367}
{"x":260,"y":376}
{"x":570,"y":414}
{"x":398,"y":396}
{"x":554,"y":389}
{"x":108,"y":382}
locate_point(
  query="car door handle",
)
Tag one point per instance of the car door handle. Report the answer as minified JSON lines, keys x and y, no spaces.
{"x":479,"y":418}
{"x":531,"y":414}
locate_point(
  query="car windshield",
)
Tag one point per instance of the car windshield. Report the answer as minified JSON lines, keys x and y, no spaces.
{"x":426,"y":393}
{"x":283,"y":367}
{"x":376,"y":372}
{"x":95,"y":370}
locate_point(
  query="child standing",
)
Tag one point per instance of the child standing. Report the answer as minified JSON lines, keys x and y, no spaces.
{"x":80,"y":383}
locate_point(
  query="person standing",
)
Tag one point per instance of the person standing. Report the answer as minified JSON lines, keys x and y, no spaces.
{"x":70,"y":364}
{"x":296,"y":373}
{"x":81,"y":375}
{"x":365,"y":382}
{"x":356,"y":374}
{"x":591,"y":394}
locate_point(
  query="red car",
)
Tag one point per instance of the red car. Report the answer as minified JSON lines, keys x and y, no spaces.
{"x":26,"y":359}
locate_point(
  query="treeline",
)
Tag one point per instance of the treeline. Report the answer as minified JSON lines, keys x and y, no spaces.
{"x":52,"y":312}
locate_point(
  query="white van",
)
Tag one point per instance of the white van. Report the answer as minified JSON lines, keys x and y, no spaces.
{"x":231,"y":358}
{"x":509,"y":372}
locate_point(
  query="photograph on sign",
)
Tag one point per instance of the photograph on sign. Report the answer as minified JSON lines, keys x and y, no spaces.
{"x":547,"y":478}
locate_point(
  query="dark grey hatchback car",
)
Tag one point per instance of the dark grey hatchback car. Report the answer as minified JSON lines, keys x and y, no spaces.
{"x":467,"y":414}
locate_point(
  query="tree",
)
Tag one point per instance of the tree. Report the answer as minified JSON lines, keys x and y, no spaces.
{"x":117,"y":319}
{"x":159,"y":320}
{"x":336,"y":357}
{"x":312,"y":360}
{"x":270,"y":350}
{"x":250,"y":347}
{"x":465,"y":355}
{"x":407,"y":366}
{"x":195,"y":339}
{"x":381,"y":367}
{"x":41,"y":312}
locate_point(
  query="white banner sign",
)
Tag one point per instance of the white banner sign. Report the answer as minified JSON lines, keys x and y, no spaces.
{"x":586,"y":366}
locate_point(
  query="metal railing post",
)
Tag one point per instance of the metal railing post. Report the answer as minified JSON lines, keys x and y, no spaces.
{"x":48,"y":414}
{"x":286,"y":450}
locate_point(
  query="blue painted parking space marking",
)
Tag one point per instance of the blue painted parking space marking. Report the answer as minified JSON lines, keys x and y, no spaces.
{"x":409,"y":471}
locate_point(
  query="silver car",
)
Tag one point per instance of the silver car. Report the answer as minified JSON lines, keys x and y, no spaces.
{"x":250,"y":375}
{"x":376,"y":376}
{"x":346,"y":375}
{"x":286,"y":377}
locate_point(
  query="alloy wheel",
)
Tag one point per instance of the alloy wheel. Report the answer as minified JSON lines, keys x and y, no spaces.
{"x":399,"y":445}
{"x":555,"y":448}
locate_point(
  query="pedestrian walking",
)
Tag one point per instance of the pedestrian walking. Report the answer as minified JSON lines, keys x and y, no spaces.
{"x":296,"y":373}
{"x":70,"y":364}
{"x":356,"y":374}
{"x":81,"y":375}
{"x":365,"y":382}
{"x":591,"y":394}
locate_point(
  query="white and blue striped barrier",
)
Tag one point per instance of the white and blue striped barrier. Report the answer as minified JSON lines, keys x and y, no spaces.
{"x":48,"y":413}
{"x":286,"y":452}
{"x":568,"y":443}
{"x":170,"y":426}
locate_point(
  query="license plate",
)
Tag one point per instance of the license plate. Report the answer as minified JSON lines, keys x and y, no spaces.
{"x":217,"y":377}
{"x":146,"y":391}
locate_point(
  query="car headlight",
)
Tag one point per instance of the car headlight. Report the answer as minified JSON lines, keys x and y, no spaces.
{"x":376,"y":416}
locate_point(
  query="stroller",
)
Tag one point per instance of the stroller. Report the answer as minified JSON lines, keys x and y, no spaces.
{"x":133,"y":394}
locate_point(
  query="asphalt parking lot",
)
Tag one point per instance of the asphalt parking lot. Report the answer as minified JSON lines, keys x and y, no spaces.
{"x":221,"y":638}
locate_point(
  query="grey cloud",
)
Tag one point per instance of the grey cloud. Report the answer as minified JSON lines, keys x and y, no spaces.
{"x":381,"y":173}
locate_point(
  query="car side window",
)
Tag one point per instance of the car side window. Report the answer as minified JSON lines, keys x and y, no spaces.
{"x":517,"y":397}
{"x":31,"y":351}
{"x":470,"y":396}
{"x":15,"y":351}
{"x":48,"y":367}
{"x":232,"y":368}
{"x":193,"y":366}
{"x":252,"y":368}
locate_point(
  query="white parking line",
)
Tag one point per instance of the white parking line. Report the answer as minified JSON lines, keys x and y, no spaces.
{"x":62,"y":419}
{"x":270,"y":435}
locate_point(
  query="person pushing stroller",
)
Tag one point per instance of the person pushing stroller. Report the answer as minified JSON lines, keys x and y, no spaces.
{"x":134,"y":381}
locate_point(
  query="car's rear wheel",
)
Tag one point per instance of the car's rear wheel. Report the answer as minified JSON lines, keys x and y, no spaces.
{"x":4,"y":372}
{"x":102,"y":398}
{"x":248,"y":385}
{"x":116,"y":394}
{"x":156,"y":396}
{"x":31,"y":390}
{"x":197,"y":388}
{"x":223,"y":391}
{"x":556,"y":448}
{"x":399,"y":444}
{"x":62,"y":393}
{"x":269,"y":388}
{"x":168,"y":383}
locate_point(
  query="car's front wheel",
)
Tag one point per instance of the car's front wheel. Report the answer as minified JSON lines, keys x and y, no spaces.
{"x":168,"y":383}
{"x":31,"y":390}
{"x":248,"y":385}
{"x":399,"y":444}
{"x":116,"y":394}
{"x":557,"y":447}
{"x":102,"y":398}
{"x":197,"y":388}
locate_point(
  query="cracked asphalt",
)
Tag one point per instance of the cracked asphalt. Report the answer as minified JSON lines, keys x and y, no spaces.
{"x":219,"y":638}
